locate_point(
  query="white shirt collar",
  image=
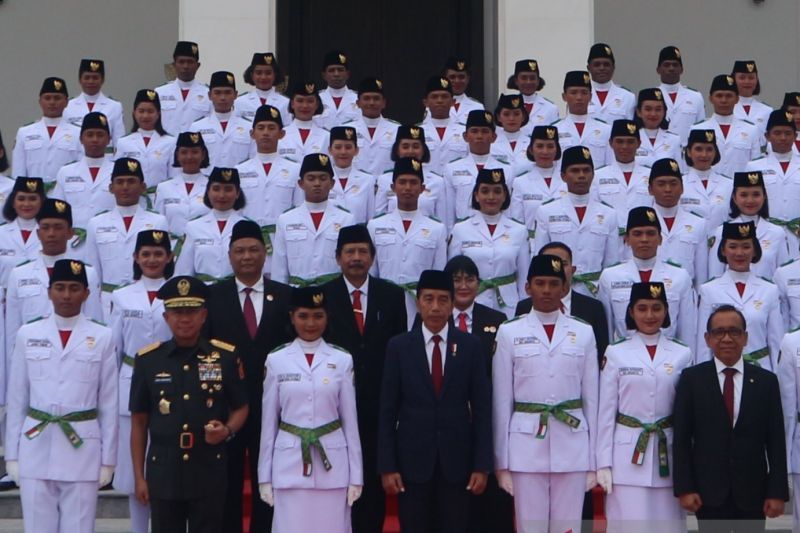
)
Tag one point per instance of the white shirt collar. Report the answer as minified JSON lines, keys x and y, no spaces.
{"x":350,"y":287}
{"x":722,"y":366}
{"x":258,"y":287}
{"x":469,"y":310}
{"x":428,"y":334}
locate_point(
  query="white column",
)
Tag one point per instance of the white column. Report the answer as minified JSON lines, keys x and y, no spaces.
{"x":228,"y":33}
{"x":558,"y":34}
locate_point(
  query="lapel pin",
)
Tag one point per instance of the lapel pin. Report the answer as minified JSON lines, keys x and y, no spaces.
{"x":752,"y":380}
{"x":270,"y":297}
{"x":454,"y":349}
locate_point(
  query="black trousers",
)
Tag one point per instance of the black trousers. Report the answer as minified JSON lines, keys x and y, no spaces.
{"x":728,"y":518}
{"x":368,"y":512}
{"x":492,"y":511}
{"x":436,"y":506}
{"x":261,"y":517}
{"x":202,"y":515}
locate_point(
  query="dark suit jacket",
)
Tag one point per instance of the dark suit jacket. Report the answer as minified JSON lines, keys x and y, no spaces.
{"x":587,"y":309}
{"x":416,"y":427}
{"x":386,"y":317}
{"x":226,"y":322}
{"x":713,"y":459}
{"x":485,"y":322}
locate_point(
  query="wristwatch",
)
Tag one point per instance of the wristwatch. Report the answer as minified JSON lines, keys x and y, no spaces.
{"x":231,"y":434}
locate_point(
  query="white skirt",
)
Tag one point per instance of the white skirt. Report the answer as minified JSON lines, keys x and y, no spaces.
{"x":631,"y":509}
{"x":311,"y":511}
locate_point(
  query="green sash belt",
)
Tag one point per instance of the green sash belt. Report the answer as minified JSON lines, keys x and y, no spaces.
{"x":147,"y":197}
{"x":109,"y":287}
{"x":753,"y":357}
{"x":319,"y":280}
{"x":588,"y":279}
{"x":791,"y":225}
{"x":409,"y":287}
{"x":559,"y":412}
{"x":79,"y":238}
{"x":310,"y":437}
{"x":656,"y":427}
{"x":265,"y":231}
{"x":128,"y":360}
{"x":62,"y":421}
{"x":179,"y":240}
{"x":496,"y":283}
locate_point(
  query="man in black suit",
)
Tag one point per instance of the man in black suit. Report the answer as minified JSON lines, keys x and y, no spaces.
{"x":362,"y":324}
{"x":252,"y":313}
{"x":494,"y":509}
{"x":434,"y":430}
{"x":729,"y":448}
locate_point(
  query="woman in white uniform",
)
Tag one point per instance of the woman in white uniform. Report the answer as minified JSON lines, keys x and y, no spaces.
{"x":18,"y":239}
{"x":749,"y":203}
{"x":136,"y":322}
{"x":657,"y":142}
{"x":204,"y":253}
{"x":264,"y":74}
{"x":309,"y":467}
{"x":497,"y":243}
{"x":706,"y":192}
{"x":637,"y":392}
{"x":511,"y":117}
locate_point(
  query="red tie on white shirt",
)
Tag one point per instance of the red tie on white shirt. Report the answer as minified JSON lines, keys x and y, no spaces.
{"x":785,"y":165}
{"x":627,"y":177}
{"x":580,"y":211}
{"x":725,"y":129}
{"x":151,"y":295}
{"x":249,"y":313}
{"x":310,"y":358}
{"x":548,"y":328}
{"x":705,"y":183}
{"x":49,"y":271}
{"x":371,"y":132}
{"x":528,"y":108}
{"x":547,"y":181}
{"x":189,"y":187}
{"x":669,"y":221}
{"x":441,"y":131}
{"x":90,"y":105}
{"x":652,"y":351}
{"x":740,"y":288}
{"x":316,"y":218}
{"x":437,"y":373}
{"x":456,"y":105}
{"x":263,"y":101}
{"x":644,"y":275}
{"x":513,"y":145}
{"x":51,"y":130}
{"x":64,"y":334}
{"x":146,"y":141}
{"x":479,"y":166}
{"x":601,"y":95}
{"x":267,"y":168}
{"x":652,"y":141}
{"x":224,"y":125}
{"x":221,"y":225}
{"x":358,"y":311}
{"x":336,"y":101}
{"x":491,"y":227}
{"x":579,"y":126}
{"x":184,"y":93}
{"x":343,"y":182}
{"x":26,"y":233}
{"x":127,"y":221}
{"x":746,"y":108}
{"x":673,"y":96}
{"x":406,"y":225}
{"x":93,"y":171}
{"x":303,"y":134}
{"x":462,"y":322}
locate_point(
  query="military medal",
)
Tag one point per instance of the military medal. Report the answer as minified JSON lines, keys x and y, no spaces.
{"x":209,"y":371}
{"x":90,"y":342}
{"x":163,"y":406}
{"x":210,"y":403}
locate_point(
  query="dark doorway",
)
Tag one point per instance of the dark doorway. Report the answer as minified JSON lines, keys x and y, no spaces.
{"x":403,"y":43}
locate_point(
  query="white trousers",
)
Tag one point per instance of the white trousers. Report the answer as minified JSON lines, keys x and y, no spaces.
{"x":58,"y":506}
{"x":548,"y":503}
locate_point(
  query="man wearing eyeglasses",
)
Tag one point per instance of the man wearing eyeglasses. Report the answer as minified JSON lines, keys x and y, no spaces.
{"x":729,"y":447}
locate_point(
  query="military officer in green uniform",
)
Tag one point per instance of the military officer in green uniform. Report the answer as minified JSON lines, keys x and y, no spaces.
{"x":188,"y":395}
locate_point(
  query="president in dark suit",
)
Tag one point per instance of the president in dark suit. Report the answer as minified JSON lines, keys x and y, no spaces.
{"x":729,"y":448}
{"x":434,"y":429}
{"x":252,"y":313}
{"x":362,"y":324}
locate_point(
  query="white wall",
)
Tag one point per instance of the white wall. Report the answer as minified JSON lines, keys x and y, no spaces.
{"x":228,"y":33}
{"x":557,"y":33}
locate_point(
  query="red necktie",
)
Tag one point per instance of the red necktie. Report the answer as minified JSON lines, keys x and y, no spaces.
{"x":740,"y":287}
{"x":184,"y":93}
{"x":669,"y":221}
{"x":90,"y":105}
{"x":441,"y":131}
{"x":343,"y":182}
{"x":627,"y":177}
{"x":310,"y":358}
{"x":601,"y":95}
{"x":528,"y":108}
{"x":189,"y":187}
{"x":263,"y":101}
{"x":456,"y":105}
{"x":580,"y":210}
{"x":93,"y":171}
{"x":462,"y":322}
{"x":644,"y":275}
{"x":146,"y":141}
{"x":746,"y":108}
{"x":652,"y":141}
{"x":725,"y":129}
{"x":579,"y":126}
{"x":406,"y":225}
{"x":51,"y":130}
{"x":64,"y":334}
{"x":371,"y":132}
{"x":151,"y":295}
{"x":479,"y":166}
{"x":224,"y":125}
{"x":513,"y":145}
{"x":358,"y":311}
{"x":249,"y":312}
{"x":316,"y":218}
{"x":221,"y":225}
{"x":127,"y":221}
{"x":336,"y":101}
{"x":437,"y":375}
{"x":673,"y":96}
{"x":705,"y":183}
{"x":727,"y":391}
{"x":49,"y":271}
{"x":303,"y":134}
{"x":547,"y":181}
{"x":491,"y":227}
{"x":785,"y":165}
{"x":26,"y":233}
{"x":267,"y":168}
{"x":548,"y":328}
{"x":652,"y":351}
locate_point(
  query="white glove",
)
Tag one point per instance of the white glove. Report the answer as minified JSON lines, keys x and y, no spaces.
{"x":504,"y":481}
{"x":106,"y":475}
{"x":265,"y":491}
{"x":591,"y":480}
{"x":353,"y":493}
{"x":12,"y":469}
{"x":604,"y":479}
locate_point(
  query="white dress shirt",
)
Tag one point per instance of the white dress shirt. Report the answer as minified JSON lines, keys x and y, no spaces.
{"x":427,"y":335}
{"x":566,"y":304}
{"x":256,"y":296}
{"x":364,"y":289}
{"x":738,"y":378}
{"x":468,"y":311}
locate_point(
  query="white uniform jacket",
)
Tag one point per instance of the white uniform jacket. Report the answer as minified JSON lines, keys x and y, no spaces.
{"x":543,"y":112}
{"x":712,"y":203}
{"x":37,"y":154}
{"x":688,"y":108}
{"x":87,"y":197}
{"x":774,"y":249}
{"x":459,"y":179}
{"x":686,"y":244}
{"x":78,"y":107}
{"x":445,"y":147}
{"x":609,"y":186}
{"x":14,"y":250}
{"x":180,"y":206}
{"x":358,"y":196}
{"x":595,"y":137}
{"x":742,"y":144}
{"x":787,"y":279}
{"x":226,"y":148}
{"x":205,"y":249}
{"x":293,"y":147}
{"x":783,"y":193}
{"x":756,"y":112}
{"x":619,"y":104}
{"x":667,"y":144}
{"x":269,"y":195}
{"x":156,"y":158}
{"x":177,"y":113}
{"x":530,"y":191}
{"x":374,"y":151}
{"x":462,"y":105}
{"x":246,"y":105}
{"x":333,"y":115}
{"x":432,"y":201}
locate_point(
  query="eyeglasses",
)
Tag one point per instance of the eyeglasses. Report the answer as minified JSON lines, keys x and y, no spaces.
{"x":719,"y":333}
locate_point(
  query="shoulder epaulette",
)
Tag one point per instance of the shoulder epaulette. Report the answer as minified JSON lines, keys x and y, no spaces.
{"x":38,"y":318}
{"x":380,"y":215}
{"x":24,"y":263}
{"x":618,"y":341}
{"x":338,"y":347}
{"x":510,"y":320}
{"x":748,"y":122}
{"x":281,"y":347}
{"x":4,"y":223}
{"x":501,"y":158}
{"x":607,"y":205}
{"x":556,"y":122}
{"x":103,"y":212}
{"x":698,"y":215}
{"x":462,"y":219}
{"x":434,"y":219}
{"x":678,"y":341}
{"x":615,"y":264}
{"x":288,"y":209}
{"x":767,"y":280}
{"x":342,"y":208}
{"x":673,"y":263}
{"x":29,"y":123}
{"x":622,"y":231}
{"x":794,"y":329}
{"x":548,"y":201}
{"x":692,"y":89}
{"x":579,"y":320}
{"x":98,"y":322}
{"x":522,"y":174}
{"x":244,"y":94}
{"x":391,"y":121}
{"x":789,"y":262}
{"x":222,"y":344}
{"x":548,"y":100}
{"x":601,"y":121}
{"x":195,"y":218}
{"x":454,"y":160}
{"x":709,"y":281}
{"x":600,"y":168}
{"x":147,"y":349}
{"x":699,"y":122}
{"x":757,"y":158}
{"x":517,"y":221}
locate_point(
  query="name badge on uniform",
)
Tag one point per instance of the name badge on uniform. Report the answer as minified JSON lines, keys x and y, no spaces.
{"x":524,"y":340}
{"x":132,"y":313}
{"x":332,"y":366}
{"x":471,"y":244}
{"x":288,"y":377}
{"x":204,"y":242}
{"x":630,"y":371}
{"x":385,"y":231}
{"x":210,"y":371}
{"x":163,"y":377}
{"x":38,"y":343}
